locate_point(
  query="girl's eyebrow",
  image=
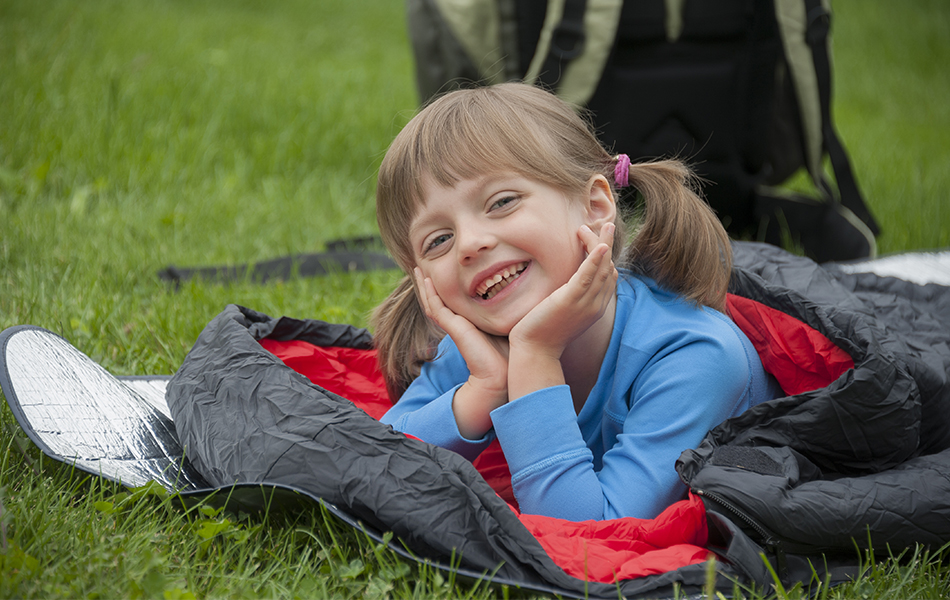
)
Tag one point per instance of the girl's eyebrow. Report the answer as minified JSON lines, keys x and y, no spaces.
{"x":415,"y":227}
{"x":418,"y":227}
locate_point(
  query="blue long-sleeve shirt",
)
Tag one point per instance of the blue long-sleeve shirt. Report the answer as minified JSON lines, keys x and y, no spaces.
{"x":672,"y":372}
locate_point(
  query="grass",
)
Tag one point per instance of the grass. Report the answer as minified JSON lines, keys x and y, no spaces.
{"x":140,"y":134}
{"x":888,"y":78}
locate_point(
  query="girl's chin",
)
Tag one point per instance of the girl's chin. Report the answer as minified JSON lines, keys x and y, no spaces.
{"x":495,"y":328}
{"x":500,"y":324}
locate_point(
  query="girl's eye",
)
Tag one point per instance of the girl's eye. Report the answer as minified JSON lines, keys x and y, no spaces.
{"x":503,"y":202}
{"x":436,"y":242}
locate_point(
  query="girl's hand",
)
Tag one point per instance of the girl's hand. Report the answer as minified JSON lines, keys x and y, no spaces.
{"x":567,"y":313}
{"x":485,"y":355}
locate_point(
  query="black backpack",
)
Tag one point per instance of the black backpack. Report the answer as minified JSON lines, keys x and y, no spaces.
{"x":740,"y":89}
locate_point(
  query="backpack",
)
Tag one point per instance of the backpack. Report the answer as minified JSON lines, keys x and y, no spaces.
{"x":741,"y":89}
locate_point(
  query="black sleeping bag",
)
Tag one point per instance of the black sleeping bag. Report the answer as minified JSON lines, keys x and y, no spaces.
{"x":864,"y":459}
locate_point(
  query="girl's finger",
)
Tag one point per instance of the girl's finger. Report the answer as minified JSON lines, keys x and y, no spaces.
{"x":586,"y":274}
{"x":431,"y":302}
{"x":591,"y":239}
{"x":435,"y":302}
{"x":441,"y":314}
{"x":607,"y":234}
{"x":606,"y":240}
{"x":588,"y":238}
{"x":423,"y":292}
{"x":599,"y":274}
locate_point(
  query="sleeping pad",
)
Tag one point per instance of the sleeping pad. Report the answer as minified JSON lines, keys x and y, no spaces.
{"x":857,"y":453}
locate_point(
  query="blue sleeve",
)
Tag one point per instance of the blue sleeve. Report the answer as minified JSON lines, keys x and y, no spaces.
{"x":673,"y":402}
{"x":425,"y":410}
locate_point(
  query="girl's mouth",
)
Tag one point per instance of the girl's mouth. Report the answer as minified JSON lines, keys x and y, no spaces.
{"x":499,"y":281}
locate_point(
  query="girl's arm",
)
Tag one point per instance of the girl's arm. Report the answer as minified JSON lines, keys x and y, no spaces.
{"x":425,"y":409}
{"x":677,"y":398}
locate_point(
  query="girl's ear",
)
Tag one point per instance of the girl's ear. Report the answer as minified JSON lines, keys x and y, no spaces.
{"x":601,"y":205}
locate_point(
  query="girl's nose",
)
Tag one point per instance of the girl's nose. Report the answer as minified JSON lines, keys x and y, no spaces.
{"x":471,"y":241}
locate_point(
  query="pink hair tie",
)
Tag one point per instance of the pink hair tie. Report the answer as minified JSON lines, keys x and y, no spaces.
{"x":622,"y":170}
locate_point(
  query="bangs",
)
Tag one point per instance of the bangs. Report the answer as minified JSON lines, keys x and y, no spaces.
{"x":479,"y":138}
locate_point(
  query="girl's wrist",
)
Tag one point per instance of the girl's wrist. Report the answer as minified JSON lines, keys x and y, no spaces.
{"x":472,"y":405}
{"x":489,"y":388}
{"x":530,"y":371}
{"x":523,"y":350}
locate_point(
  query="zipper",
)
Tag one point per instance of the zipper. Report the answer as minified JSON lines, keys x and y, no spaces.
{"x":770,"y":541}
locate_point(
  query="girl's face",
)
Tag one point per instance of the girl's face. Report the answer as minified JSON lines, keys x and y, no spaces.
{"x":497,"y":245}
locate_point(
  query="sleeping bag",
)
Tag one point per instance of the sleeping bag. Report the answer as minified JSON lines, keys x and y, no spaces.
{"x":864,"y":460}
{"x":858,"y":451}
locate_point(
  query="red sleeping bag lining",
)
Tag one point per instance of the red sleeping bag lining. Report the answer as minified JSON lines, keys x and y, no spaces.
{"x":799,"y":357}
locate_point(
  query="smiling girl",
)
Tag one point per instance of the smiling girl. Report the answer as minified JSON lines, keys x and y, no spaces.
{"x":513,"y":321}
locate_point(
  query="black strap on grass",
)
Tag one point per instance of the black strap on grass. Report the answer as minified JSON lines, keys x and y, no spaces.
{"x":341,"y":256}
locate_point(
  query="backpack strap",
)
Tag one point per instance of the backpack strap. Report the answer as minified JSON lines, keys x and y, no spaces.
{"x":574,"y":45}
{"x":816,"y":35}
{"x":565,"y":43}
{"x":804,"y":26}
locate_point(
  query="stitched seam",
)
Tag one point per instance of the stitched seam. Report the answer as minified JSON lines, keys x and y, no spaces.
{"x":548,"y":462}
{"x":616,"y":418}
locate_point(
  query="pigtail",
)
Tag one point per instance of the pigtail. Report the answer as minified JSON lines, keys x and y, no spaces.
{"x":404,"y":337}
{"x":680,"y":243}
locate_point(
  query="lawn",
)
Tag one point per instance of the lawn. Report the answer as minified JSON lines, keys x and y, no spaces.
{"x":139,"y":134}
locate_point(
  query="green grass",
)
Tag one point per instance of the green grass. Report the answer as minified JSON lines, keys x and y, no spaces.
{"x":139,"y":134}
{"x":889,"y":82}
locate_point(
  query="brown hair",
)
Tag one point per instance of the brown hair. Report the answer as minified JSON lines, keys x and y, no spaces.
{"x":524,"y":130}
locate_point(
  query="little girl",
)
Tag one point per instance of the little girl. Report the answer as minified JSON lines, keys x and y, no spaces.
{"x":498,"y":203}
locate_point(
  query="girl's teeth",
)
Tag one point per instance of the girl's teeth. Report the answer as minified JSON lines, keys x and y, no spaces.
{"x":488,"y":288}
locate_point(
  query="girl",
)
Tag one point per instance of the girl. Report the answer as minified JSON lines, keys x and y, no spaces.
{"x":498,"y":204}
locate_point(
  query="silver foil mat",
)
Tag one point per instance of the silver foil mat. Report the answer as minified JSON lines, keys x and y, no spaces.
{"x":916,"y":267}
{"x":79,"y":413}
